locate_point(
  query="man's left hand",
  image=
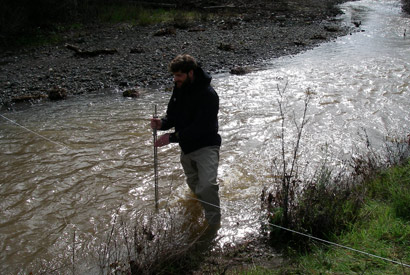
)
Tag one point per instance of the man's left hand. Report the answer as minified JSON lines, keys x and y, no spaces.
{"x":162,"y":140}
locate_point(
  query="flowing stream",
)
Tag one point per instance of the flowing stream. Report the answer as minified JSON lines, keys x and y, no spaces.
{"x":75,"y":163}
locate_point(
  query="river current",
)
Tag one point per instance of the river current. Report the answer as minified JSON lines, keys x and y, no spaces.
{"x":75,"y":163}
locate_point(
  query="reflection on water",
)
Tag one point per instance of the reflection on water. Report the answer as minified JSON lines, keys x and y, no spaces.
{"x":360,"y":81}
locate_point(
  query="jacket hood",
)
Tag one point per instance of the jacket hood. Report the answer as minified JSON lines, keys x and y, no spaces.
{"x":201,"y":77}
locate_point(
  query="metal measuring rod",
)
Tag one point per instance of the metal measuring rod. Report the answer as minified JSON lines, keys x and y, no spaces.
{"x":155,"y":160}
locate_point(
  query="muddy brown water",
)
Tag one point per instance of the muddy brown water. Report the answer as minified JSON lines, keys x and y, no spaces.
{"x":75,"y":163}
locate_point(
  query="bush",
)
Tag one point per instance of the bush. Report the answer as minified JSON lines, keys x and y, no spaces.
{"x":324,"y":208}
{"x":380,"y":229}
{"x":329,"y":202}
{"x":170,"y":241}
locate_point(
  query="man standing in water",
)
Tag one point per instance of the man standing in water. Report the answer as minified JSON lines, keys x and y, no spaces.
{"x":193,"y":111}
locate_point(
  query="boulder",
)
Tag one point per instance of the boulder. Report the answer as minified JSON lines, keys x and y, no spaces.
{"x":131,"y":93}
{"x":226,"y":47}
{"x":57,"y":93}
{"x":240,"y":70}
{"x":165,"y":32}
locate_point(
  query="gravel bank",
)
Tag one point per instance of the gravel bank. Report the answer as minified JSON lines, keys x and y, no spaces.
{"x":140,"y":55}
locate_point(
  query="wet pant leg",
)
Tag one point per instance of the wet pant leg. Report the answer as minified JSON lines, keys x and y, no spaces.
{"x":201,"y":170}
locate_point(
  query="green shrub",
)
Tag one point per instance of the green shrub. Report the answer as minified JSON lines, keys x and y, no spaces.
{"x":324,"y":208}
{"x":381,"y":228}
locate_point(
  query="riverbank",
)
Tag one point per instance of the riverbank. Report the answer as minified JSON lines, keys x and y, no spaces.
{"x":124,"y":55}
{"x":376,"y":241}
{"x":381,"y":228}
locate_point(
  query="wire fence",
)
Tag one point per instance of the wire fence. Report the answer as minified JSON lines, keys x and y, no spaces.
{"x":322,"y":240}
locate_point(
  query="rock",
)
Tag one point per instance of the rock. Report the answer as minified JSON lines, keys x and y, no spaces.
{"x":240,"y":71}
{"x":332,"y":28}
{"x":131,"y":93}
{"x":299,"y":43}
{"x":123,"y":83}
{"x":137,"y":50}
{"x":165,"y":32}
{"x":280,"y":18}
{"x":319,"y":37}
{"x":226,"y":47}
{"x":57,"y":93}
{"x":357,"y":23}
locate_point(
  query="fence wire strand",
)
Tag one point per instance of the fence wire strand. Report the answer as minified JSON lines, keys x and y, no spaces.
{"x":322,"y":240}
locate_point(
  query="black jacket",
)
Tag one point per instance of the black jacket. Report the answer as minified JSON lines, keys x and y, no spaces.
{"x":193,"y":111}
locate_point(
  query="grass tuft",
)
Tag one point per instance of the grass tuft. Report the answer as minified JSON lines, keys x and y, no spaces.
{"x":138,"y":15}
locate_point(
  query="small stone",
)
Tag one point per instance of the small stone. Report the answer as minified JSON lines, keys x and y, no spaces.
{"x":165,"y":31}
{"x":226,"y":47}
{"x":137,"y":50}
{"x":131,"y":93}
{"x":240,"y":71}
{"x":57,"y":93}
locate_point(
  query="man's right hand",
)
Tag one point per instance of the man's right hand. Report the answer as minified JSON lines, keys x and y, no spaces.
{"x":156,"y":123}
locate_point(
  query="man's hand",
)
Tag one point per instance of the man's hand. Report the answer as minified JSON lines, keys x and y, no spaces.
{"x":156,"y":123}
{"x":162,"y":140}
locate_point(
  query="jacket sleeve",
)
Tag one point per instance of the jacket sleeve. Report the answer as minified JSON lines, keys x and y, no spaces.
{"x":168,"y":121}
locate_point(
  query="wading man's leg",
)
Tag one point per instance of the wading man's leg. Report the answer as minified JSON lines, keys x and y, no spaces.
{"x":201,"y":170}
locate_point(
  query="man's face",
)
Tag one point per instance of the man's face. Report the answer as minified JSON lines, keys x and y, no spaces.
{"x":181,"y":79}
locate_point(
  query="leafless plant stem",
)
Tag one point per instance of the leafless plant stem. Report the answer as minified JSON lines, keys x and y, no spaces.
{"x":288,"y":173}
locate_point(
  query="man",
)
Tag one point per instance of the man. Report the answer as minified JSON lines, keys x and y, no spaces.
{"x":193,"y":111}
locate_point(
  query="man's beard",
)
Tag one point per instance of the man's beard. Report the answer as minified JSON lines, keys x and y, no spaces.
{"x":185,"y":84}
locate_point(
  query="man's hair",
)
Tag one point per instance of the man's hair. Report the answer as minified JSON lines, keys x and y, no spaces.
{"x":183,"y":63}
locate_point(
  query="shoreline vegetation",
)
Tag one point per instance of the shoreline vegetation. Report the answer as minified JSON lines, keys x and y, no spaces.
{"x":362,"y":204}
{"x":378,"y":235}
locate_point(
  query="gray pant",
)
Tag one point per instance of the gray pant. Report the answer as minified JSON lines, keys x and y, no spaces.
{"x":201,"y":170}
